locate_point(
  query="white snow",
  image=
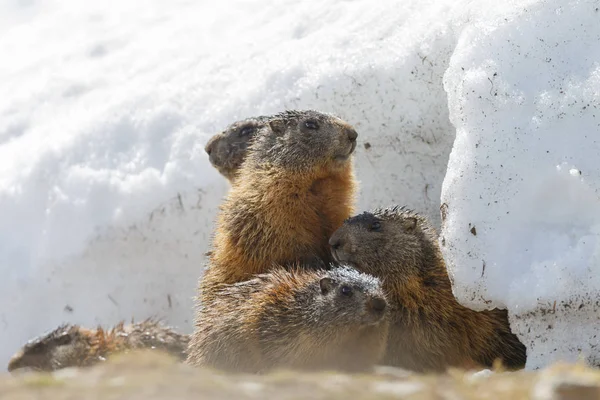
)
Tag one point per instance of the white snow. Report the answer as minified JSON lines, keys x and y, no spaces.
{"x":107,"y":198}
{"x":522,"y":227}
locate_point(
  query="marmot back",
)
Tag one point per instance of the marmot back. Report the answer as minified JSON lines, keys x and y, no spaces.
{"x":302,"y":319}
{"x":75,"y":346}
{"x":429,"y":329}
{"x":227,"y":150}
{"x":293,"y":190}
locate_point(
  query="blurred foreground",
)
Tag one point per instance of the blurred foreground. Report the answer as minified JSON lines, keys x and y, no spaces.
{"x":150,"y":375}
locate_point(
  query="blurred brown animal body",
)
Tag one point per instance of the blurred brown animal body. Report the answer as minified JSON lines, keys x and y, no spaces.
{"x":75,"y":346}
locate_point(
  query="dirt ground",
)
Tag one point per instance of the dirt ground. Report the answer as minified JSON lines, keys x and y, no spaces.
{"x":151,"y":375}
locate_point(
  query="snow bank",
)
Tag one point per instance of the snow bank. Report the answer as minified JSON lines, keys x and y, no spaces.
{"x":520,"y":198}
{"x":107,"y":197}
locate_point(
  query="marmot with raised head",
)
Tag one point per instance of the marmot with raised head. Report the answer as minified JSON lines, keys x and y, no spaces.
{"x":295,"y":187}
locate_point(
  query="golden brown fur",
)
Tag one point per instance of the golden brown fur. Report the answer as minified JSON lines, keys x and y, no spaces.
{"x":75,"y":346}
{"x":429,"y":329}
{"x":294,"y":189}
{"x":300,"y":319}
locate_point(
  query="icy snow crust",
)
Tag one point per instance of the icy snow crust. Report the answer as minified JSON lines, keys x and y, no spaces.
{"x":520,"y":198}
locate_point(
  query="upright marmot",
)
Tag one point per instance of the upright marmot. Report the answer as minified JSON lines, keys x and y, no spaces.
{"x":75,"y":346}
{"x":429,"y":329}
{"x":335,"y":319}
{"x":227,"y":150}
{"x":294,"y":189}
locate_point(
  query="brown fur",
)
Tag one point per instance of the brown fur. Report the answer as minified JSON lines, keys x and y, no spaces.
{"x":429,"y":330}
{"x":293,"y":319}
{"x":227,"y":149}
{"x":75,"y":346}
{"x":294,"y":189}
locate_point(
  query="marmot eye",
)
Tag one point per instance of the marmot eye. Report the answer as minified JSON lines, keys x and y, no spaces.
{"x":346,"y":290}
{"x":375,"y":226}
{"x":310,"y":124}
{"x":247,"y":131}
{"x":64,"y":339}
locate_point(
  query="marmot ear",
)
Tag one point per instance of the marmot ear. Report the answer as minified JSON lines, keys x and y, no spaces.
{"x":409,"y":224}
{"x":326,"y":285}
{"x":277,"y":126}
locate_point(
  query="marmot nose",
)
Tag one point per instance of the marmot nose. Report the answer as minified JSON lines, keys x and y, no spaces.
{"x":352,"y":134}
{"x":208,"y":148}
{"x":335,"y":243}
{"x":378,"y":304}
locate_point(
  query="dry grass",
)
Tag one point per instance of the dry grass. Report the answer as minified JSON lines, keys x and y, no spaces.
{"x":151,"y":375}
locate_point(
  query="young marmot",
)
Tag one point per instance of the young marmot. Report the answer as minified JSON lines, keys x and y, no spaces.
{"x":293,"y":190}
{"x":75,"y":346}
{"x":328,"y":319}
{"x":429,"y":329}
{"x":227,"y":150}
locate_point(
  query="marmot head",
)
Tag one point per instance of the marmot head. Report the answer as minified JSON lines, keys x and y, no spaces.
{"x":227,"y":150}
{"x":388,"y":241}
{"x":348,"y":297}
{"x":303,"y":140}
{"x":65,"y":346}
